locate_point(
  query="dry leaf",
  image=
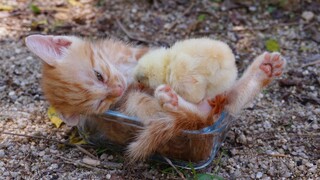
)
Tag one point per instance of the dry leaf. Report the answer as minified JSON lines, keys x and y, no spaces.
{"x":54,"y":117}
{"x":75,"y":138}
{"x":5,"y":8}
{"x":74,"y":3}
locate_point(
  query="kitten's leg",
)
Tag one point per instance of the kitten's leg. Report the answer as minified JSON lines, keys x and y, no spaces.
{"x":258,"y":75}
{"x":171,"y":101}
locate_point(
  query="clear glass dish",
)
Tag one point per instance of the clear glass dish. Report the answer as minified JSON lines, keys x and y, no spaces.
{"x":114,"y":131}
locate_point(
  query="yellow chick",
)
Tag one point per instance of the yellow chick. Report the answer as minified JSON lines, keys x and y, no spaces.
{"x":195,"y":68}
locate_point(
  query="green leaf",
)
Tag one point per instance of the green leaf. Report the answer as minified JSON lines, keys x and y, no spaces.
{"x":201,"y":17}
{"x":208,"y":177}
{"x":272,"y":45}
{"x":35,"y":9}
{"x":270,"y":9}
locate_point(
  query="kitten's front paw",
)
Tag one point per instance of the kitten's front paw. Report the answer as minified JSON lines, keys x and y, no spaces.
{"x":272,"y":64}
{"x":167,"y":97}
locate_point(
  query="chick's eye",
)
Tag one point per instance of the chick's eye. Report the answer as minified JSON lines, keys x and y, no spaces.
{"x":99,"y":76}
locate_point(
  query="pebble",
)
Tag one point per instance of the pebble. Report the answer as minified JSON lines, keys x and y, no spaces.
{"x":54,"y":166}
{"x":315,"y":126}
{"x":104,"y":156}
{"x":2,"y":88}
{"x":108,"y":176}
{"x":242,"y":139}
{"x":308,"y":164}
{"x":267,"y":124}
{"x":307,"y":15}
{"x":259,"y":175}
{"x":2,"y":154}
{"x":90,"y":161}
{"x":42,"y":153}
{"x":110,"y":157}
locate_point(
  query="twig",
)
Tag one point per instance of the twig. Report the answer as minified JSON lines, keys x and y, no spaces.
{"x":36,"y":137}
{"x":172,"y":25}
{"x":174,"y":167}
{"x":111,"y":165}
{"x":264,"y":28}
{"x":311,"y":63}
{"x":274,"y":155}
{"x":129,"y":34}
{"x":78,"y":163}
{"x":86,"y":152}
{"x":15,"y":28}
{"x":64,"y":10}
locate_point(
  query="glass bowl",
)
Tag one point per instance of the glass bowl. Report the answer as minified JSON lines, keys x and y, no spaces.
{"x":190,"y":149}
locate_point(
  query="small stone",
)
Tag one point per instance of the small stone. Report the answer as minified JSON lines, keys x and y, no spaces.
{"x":307,"y":15}
{"x":259,"y":175}
{"x":308,"y":164}
{"x":2,"y":154}
{"x":11,"y":93}
{"x":110,"y":157}
{"x":90,"y":161}
{"x":315,"y":126}
{"x":2,"y":88}
{"x":14,"y":174}
{"x":17,"y":51}
{"x":104,"y":156}
{"x":108,"y":176}
{"x":42,"y":153}
{"x":252,"y":8}
{"x":134,"y":10}
{"x":54,"y":166}
{"x":302,"y":168}
{"x":267,"y":124}
{"x":313,"y":169}
{"x":234,"y":151}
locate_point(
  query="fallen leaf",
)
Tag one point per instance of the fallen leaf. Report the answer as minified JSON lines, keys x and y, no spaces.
{"x":75,"y":138}
{"x":272,"y":45}
{"x":74,"y":3}
{"x":5,"y":8}
{"x":201,"y":17}
{"x":35,"y":9}
{"x":61,"y":16}
{"x":54,"y":117}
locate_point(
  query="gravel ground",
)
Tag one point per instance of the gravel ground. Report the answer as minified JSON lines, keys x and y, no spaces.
{"x":278,"y":136}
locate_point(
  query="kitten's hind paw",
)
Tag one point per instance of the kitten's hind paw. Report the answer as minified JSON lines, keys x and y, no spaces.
{"x":272,"y":64}
{"x":217,"y":104}
{"x":167,"y":97}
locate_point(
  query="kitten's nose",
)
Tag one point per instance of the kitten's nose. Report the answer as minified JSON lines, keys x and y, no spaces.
{"x":116,"y":91}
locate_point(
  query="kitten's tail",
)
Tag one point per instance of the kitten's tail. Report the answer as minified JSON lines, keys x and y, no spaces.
{"x":161,"y":130}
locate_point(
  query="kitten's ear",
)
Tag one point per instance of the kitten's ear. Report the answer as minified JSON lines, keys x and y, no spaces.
{"x":49,"y":48}
{"x":70,"y":120}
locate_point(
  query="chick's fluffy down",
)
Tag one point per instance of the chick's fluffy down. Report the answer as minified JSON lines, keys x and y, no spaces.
{"x":195,"y":68}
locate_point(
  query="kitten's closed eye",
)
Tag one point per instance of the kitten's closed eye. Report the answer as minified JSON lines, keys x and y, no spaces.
{"x":99,"y":76}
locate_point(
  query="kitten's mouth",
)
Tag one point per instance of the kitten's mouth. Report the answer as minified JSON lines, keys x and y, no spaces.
{"x":104,"y":104}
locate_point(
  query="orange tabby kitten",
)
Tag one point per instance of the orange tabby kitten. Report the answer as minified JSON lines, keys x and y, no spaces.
{"x":85,"y":77}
